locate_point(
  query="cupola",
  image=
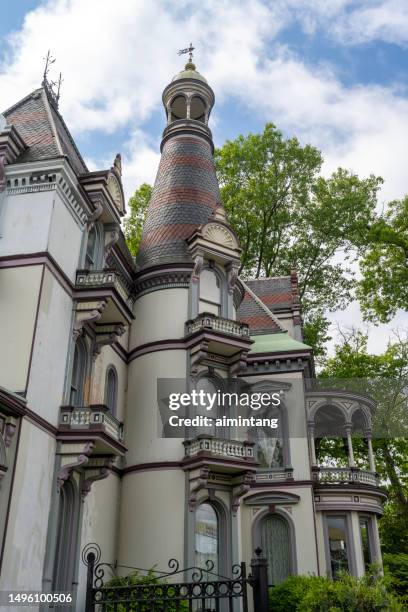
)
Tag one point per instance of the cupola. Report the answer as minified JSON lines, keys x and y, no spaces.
{"x":188,"y":101}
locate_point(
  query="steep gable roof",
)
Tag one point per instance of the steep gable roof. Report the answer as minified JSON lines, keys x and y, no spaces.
{"x":43,"y":130}
{"x":253,"y":311}
{"x":276,"y":293}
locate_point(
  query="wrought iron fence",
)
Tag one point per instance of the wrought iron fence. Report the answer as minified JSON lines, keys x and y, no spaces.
{"x":199,"y":589}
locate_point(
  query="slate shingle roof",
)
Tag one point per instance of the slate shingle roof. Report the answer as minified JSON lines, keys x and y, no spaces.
{"x":256,"y":314}
{"x":185,"y":195}
{"x":43,"y":130}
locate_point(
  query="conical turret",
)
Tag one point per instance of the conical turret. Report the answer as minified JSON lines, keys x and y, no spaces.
{"x":186,"y":192}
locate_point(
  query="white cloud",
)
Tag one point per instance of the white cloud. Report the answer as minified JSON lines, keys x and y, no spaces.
{"x":116,"y":59}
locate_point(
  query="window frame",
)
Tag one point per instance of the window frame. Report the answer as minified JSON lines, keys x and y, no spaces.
{"x":370,"y":539}
{"x":351,"y":557}
{"x":221,"y":287}
{"x":77,"y":387}
{"x":93,"y":261}
{"x":112,"y":408}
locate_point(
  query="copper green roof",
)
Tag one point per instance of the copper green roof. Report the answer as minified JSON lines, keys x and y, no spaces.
{"x":269,"y":343}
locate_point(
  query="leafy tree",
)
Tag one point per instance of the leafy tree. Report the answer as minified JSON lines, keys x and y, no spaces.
{"x":133,"y":224}
{"x":384,"y":266}
{"x":286,"y":214}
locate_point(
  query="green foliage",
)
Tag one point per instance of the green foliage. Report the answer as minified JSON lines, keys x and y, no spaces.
{"x":133,"y":224}
{"x":316,"y":334}
{"x":118,"y":588}
{"x":286,"y":215}
{"x":396,"y":570}
{"x":394,"y":529}
{"x":318,"y":594}
{"x":384,"y":266}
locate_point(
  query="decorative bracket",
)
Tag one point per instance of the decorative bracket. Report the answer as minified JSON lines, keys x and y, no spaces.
{"x":198,"y":266}
{"x":98,"y":471}
{"x":201,"y":483}
{"x":95,"y":215}
{"x":66,"y":470}
{"x":9,"y":431}
{"x":87,"y":312}
{"x":113,"y":238}
{"x":232,"y":277}
{"x":107,"y":335}
{"x":240,"y":491}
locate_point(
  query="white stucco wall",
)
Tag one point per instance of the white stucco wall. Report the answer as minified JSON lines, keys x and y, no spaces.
{"x":142,"y":414}
{"x":160,"y":315}
{"x":152,"y":518}
{"x":29,"y":511}
{"x":65,"y":236}
{"x":47,"y":374}
{"x":25,"y":222}
{"x":19,"y":291}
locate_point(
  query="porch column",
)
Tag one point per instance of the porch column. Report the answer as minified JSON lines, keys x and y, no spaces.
{"x":349,"y":445}
{"x":311,"y":429}
{"x":371,"y":461}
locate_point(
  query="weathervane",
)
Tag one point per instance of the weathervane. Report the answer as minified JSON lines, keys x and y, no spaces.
{"x":49,"y":85}
{"x":189,"y":50}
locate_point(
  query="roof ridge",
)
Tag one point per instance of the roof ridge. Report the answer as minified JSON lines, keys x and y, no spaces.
{"x":46,"y":103}
{"x":264,"y":307}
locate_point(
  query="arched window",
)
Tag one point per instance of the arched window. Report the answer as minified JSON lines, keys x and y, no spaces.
{"x":210,"y":292}
{"x":78,"y":374}
{"x":92,"y":247}
{"x":206,"y":535}
{"x":197,"y":109}
{"x":178,"y":108}
{"x":67,"y":537}
{"x":275,"y":542}
{"x":111,"y":389}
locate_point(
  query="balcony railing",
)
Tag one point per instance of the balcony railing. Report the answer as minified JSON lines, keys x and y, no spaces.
{"x":102,"y":278}
{"x":88,"y":419}
{"x":220,"y":448}
{"x":218,"y":324}
{"x":333,"y":475}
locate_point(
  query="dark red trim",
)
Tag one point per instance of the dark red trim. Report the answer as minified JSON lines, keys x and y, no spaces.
{"x":40,"y":422}
{"x":91,"y":434}
{"x":12,"y":403}
{"x":157,"y":345}
{"x":120,"y":351}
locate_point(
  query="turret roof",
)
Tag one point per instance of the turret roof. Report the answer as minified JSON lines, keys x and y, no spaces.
{"x":44,"y":130}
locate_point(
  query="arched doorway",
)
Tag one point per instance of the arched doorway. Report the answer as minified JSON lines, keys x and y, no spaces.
{"x":276,"y":546}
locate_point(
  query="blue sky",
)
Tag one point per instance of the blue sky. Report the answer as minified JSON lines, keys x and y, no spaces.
{"x":332,"y":72}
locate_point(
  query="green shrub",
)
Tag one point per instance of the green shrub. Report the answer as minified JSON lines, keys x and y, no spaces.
{"x":347,"y":594}
{"x":114,"y":590}
{"x":396,"y":570}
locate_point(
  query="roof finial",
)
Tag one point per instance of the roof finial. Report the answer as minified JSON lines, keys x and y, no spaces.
{"x":49,"y":85}
{"x":190,"y":65}
{"x":48,"y":61}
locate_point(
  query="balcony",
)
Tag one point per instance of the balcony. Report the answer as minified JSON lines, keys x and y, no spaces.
{"x":214,"y":338}
{"x":217,"y":324}
{"x":228,"y":456}
{"x":94,"y":423}
{"x":332,"y":475}
{"x":106,"y":285}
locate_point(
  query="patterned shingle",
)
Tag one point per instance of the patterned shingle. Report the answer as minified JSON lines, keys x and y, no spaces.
{"x":44,"y":130}
{"x":185,"y":195}
{"x":253,"y":312}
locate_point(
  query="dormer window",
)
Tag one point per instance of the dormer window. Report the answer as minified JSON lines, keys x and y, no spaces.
{"x":210,"y":292}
